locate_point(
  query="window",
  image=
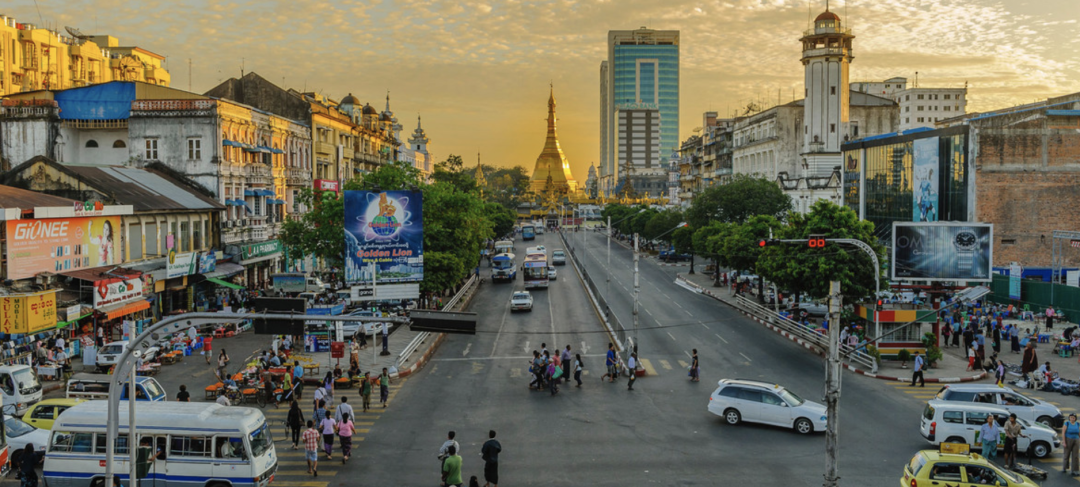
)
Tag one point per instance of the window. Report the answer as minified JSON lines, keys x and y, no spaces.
{"x":919,"y":108}
{"x":921,"y":119}
{"x":190,"y":446}
{"x":151,"y":149}
{"x":976,"y":418}
{"x":194,"y":149}
{"x":907,"y":97}
{"x":750,"y":396}
{"x":43,"y":412}
{"x":71,"y":442}
{"x":947,"y":108}
{"x":907,"y":108}
{"x":91,"y":144}
{"x":121,"y":444}
{"x":771,"y":399}
{"x":955,"y":417}
{"x":258,"y":205}
{"x":886,"y":87}
{"x":946,"y":471}
{"x":119,"y":144}
{"x":948,"y":97}
{"x":920,"y":97}
{"x":832,"y":128}
{"x":907,"y":119}
{"x":832,"y":90}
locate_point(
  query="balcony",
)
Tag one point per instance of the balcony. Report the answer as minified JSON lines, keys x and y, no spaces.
{"x":347,"y":153}
{"x":325,"y":148}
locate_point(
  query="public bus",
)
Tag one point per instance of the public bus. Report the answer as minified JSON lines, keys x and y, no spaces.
{"x":535,"y":270}
{"x":528,"y":232}
{"x":196,"y":444}
{"x":503,"y":267}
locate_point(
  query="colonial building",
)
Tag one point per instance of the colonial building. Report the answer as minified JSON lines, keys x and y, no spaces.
{"x":552,"y":164}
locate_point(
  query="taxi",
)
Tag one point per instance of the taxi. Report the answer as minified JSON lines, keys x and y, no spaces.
{"x":955,"y":465}
{"x":42,"y":414}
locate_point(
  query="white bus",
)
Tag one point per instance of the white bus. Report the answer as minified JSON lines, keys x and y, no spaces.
{"x":198,"y":445}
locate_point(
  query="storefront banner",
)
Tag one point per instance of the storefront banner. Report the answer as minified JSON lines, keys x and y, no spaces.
{"x":181,"y":265}
{"x":385,"y":229}
{"x":207,"y":262}
{"x":27,"y":313}
{"x":262,"y":249}
{"x":926,"y":171}
{"x":71,"y":312}
{"x":113,"y":291}
{"x":326,"y":185}
{"x":61,"y":244}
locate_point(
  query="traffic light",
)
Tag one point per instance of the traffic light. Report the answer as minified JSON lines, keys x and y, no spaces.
{"x":765,"y":242}
{"x":816,"y":241}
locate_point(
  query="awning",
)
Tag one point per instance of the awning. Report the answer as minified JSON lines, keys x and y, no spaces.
{"x":114,"y":311}
{"x":61,"y":324}
{"x":264,"y":192}
{"x":249,"y":192}
{"x":264,"y":258}
{"x":277,"y":151}
{"x":231,"y":143}
{"x":224,"y":283}
{"x":248,"y":208}
{"x":225,"y":269}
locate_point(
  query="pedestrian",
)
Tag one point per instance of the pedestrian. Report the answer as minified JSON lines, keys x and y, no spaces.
{"x":1070,"y":431}
{"x":577,"y":369}
{"x":1012,"y":433}
{"x":999,"y":373}
{"x":345,"y":430}
{"x":451,"y":468}
{"x":1049,"y":318}
{"x":320,"y":412}
{"x":29,"y":460}
{"x":956,"y":333}
{"x":329,"y":427}
{"x":343,"y":409}
{"x":298,"y":378}
{"x":311,"y":448}
{"x":996,"y":345}
{"x":320,"y":397}
{"x":365,"y":390}
{"x":1030,"y":362}
{"x":384,"y":387}
{"x":552,"y":375}
{"x":631,"y":369}
{"x":565,"y":360}
{"x":385,"y":339}
{"x":295,"y":421}
{"x":183,"y":395}
{"x":610,"y":362}
{"x":971,"y":357}
{"x":694,"y":371}
{"x":222,"y":361}
{"x":490,"y":453}
{"x":946,"y":333}
{"x":1014,"y":337}
{"x":917,"y":373}
{"x":989,"y":434}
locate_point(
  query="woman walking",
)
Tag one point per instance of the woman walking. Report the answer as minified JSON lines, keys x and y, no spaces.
{"x":1000,"y":373}
{"x":577,"y":369}
{"x":222,"y":362}
{"x":345,"y":431}
{"x":328,"y":427}
{"x":1070,"y":431}
{"x":295,"y":422}
{"x":694,"y":371}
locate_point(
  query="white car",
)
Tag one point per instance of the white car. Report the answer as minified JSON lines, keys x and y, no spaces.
{"x":521,"y":300}
{"x":959,"y":422}
{"x":110,"y":354}
{"x":18,"y":433}
{"x":1027,"y":408}
{"x":558,"y":257}
{"x":552,"y":275}
{"x":760,"y":402}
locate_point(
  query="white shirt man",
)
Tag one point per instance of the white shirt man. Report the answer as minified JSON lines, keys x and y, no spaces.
{"x":222,"y":400}
{"x":343,"y":408}
{"x":60,"y":342}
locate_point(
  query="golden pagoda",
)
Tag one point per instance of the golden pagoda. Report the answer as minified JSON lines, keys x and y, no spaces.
{"x":481,"y":181}
{"x":552,"y":163}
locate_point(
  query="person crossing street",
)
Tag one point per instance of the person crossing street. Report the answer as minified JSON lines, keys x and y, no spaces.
{"x":918,"y":371}
{"x":631,"y":369}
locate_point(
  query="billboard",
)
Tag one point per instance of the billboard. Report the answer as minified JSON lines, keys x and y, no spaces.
{"x":61,"y":244}
{"x":117,"y":290}
{"x":386,"y":229}
{"x":942,"y":251}
{"x":181,"y":265}
{"x":27,"y":313}
{"x":926,"y":174}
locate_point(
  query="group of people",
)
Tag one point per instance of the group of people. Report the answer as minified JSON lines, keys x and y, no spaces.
{"x":451,"y":462}
{"x":548,"y":369}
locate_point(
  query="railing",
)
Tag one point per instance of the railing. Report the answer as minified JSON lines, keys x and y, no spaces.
{"x":815,"y":338}
{"x":614,"y":325}
{"x":422,"y":336}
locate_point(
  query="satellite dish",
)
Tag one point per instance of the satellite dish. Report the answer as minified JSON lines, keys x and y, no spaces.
{"x":697,"y":129}
{"x":75,"y":33}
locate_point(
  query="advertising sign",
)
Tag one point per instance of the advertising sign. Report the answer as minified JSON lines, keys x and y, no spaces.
{"x":326,"y":185}
{"x":385,"y":229}
{"x":116,"y":290}
{"x":943,"y":251}
{"x":207,"y":262}
{"x":261,"y":249}
{"x":289,"y":283}
{"x":61,"y":244}
{"x":1015,"y":271}
{"x":181,"y":265}
{"x":926,"y":172}
{"x":385,"y":292}
{"x":27,"y":313}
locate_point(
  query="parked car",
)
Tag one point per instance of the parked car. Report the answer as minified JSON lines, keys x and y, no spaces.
{"x":932,"y":468}
{"x":959,"y":422}
{"x":672,"y":256}
{"x":739,"y":400}
{"x":521,"y":301}
{"x":18,"y":433}
{"x":558,"y":257}
{"x":1030,"y":409}
{"x":110,"y":354}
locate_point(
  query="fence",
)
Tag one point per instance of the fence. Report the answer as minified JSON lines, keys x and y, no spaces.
{"x":615,"y":326}
{"x":424,"y":335}
{"x":1038,"y":295}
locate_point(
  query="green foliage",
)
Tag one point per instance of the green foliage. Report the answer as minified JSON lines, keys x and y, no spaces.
{"x":661,"y":225}
{"x":714,"y":230}
{"x":737,"y":201}
{"x":396,"y":176}
{"x":502,"y":218}
{"x":809,"y":270}
{"x":873,"y":351}
{"x":683,"y":240}
{"x":933,"y":352}
{"x":903,"y":355}
{"x":738,"y":247}
{"x":452,"y":171}
{"x":319,"y":232}
{"x":507,"y":186}
{"x":455,"y":224}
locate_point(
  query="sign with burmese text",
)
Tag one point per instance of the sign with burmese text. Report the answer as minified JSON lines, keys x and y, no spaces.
{"x":384,"y":228}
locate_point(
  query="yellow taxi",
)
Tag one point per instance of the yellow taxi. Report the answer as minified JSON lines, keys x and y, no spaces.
{"x":42,"y":414}
{"x":955,"y":465}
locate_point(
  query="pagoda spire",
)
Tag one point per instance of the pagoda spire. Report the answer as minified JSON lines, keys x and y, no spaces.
{"x":481,"y":182}
{"x":551,"y":161}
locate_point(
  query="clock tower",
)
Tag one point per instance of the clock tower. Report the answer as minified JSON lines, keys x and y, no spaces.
{"x":826,"y":58}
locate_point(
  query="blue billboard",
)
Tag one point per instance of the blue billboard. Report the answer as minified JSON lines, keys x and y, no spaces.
{"x":384,"y":228}
{"x":926,"y":169}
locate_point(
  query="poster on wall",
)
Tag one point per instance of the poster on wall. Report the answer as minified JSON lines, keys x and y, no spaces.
{"x":942,"y":251}
{"x":386,"y":229}
{"x":27,"y":313}
{"x":207,"y":262}
{"x":181,"y":265}
{"x":61,"y":244}
{"x":116,"y":290}
{"x":1015,"y":272}
{"x":926,"y":173}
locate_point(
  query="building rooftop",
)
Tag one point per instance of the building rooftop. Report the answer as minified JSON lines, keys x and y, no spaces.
{"x":12,"y":197}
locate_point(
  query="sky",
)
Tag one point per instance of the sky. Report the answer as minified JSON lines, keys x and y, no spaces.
{"x":478,"y":70}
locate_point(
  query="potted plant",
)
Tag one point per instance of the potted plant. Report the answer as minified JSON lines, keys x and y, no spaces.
{"x":874,"y":352}
{"x":933,"y":351}
{"x":903,"y":356}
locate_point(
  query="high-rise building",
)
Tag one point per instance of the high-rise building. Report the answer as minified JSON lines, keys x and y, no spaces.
{"x":641,"y":72}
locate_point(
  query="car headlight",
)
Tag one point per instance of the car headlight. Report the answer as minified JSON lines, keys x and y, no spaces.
{"x":824,"y":418}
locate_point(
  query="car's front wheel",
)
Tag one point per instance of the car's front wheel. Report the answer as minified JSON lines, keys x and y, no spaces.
{"x":732,"y":416}
{"x":1040,"y":449}
{"x":804,"y":426}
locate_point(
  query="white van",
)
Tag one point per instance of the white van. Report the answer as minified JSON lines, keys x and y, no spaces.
{"x":111,"y":352}
{"x":1025,"y":407}
{"x":957,"y":422}
{"x":96,"y":386}
{"x":20,"y":388}
{"x":201,"y":444}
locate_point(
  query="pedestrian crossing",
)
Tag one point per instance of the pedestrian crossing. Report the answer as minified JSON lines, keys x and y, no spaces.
{"x":292,"y":465}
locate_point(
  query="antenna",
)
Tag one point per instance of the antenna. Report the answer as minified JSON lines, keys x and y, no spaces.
{"x":189,"y":74}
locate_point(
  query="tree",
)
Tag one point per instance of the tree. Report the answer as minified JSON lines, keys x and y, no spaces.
{"x":455,"y":226}
{"x":800,"y":268}
{"x":701,"y":239}
{"x":502,"y":218}
{"x":319,"y":232}
{"x":452,"y":171}
{"x":662,"y":225}
{"x":683,"y":241}
{"x":739,"y":247}
{"x":737,"y":201}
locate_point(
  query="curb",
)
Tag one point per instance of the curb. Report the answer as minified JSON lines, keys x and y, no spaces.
{"x":822,"y":353}
{"x":438,"y":341}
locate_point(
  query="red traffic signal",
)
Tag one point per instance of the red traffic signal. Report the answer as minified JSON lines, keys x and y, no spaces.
{"x":763,"y":243}
{"x":816,"y":241}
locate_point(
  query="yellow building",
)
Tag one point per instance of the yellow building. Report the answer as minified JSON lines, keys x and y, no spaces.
{"x":33,"y":58}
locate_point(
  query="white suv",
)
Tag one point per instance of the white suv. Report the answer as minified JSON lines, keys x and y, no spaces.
{"x":558,"y":257}
{"x":760,"y":402}
{"x":1033,"y":410}
{"x":957,"y":422}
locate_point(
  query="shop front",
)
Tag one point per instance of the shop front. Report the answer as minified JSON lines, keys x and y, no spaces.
{"x":259,"y":261}
{"x":119,"y":299}
{"x":25,"y":321}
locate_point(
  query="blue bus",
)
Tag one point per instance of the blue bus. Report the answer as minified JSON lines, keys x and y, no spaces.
{"x":528,"y":232}
{"x":503,"y":267}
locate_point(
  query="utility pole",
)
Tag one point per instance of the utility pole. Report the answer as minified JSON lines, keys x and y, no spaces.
{"x":832,"y":388}
{"x":608,"y":290}
{"x":636,"y":288}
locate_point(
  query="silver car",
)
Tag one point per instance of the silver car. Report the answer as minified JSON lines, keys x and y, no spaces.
{"x":521,"y":301}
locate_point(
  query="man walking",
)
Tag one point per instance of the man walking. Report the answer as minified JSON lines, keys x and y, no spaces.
{"x":610,"y":363}
{"x":311,"y":439}
{"x":365,"y":390}
{"x":918,"y":373}
{"x":490,"y":453}
{"x":343,"y":408}
{"x":384,"y":387}
{"x":1030,"y":362}
{"x":631,"y":368}
{"x":1012,"y":433}
{"x":566,"y":361}
{"x":452,"y":469}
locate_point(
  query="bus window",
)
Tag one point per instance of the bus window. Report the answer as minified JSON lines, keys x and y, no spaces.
{"x":260,"y":440}
{"x":190,"y":446}
{"x":72,"y":442}
{"x":231,"y":448}
{"x":121,"y":444}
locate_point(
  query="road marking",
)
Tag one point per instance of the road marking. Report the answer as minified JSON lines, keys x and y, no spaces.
{"x":286,"y":483}
{"x":670,"y":335}
{"x":702,"y":323}
{"x":506,"y":312}
{"x":665,"y":364}
{"x":683,"y":364}
{"x":584,"y":348}
{"x":301,"y":472}
{"x":515,"y":372}
{"x":467,"y":347}
{"x":648,"y":367}
{"x":526,"y":348}
{"x":720,"y":337}
{"x":524,"y":358}
{"x":647,"y":311}
{"x":690,"y":315}
{"x":745,"y":357}
{"x":687,"y":354}
{"x":677,"y":304}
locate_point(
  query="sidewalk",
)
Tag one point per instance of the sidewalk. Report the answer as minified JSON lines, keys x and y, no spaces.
{"x":949,"y":369}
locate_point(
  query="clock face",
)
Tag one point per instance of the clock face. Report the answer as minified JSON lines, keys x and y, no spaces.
{"x":965,"y":239}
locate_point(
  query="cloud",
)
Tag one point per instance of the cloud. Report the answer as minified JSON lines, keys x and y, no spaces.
{"x":478,"y":70}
